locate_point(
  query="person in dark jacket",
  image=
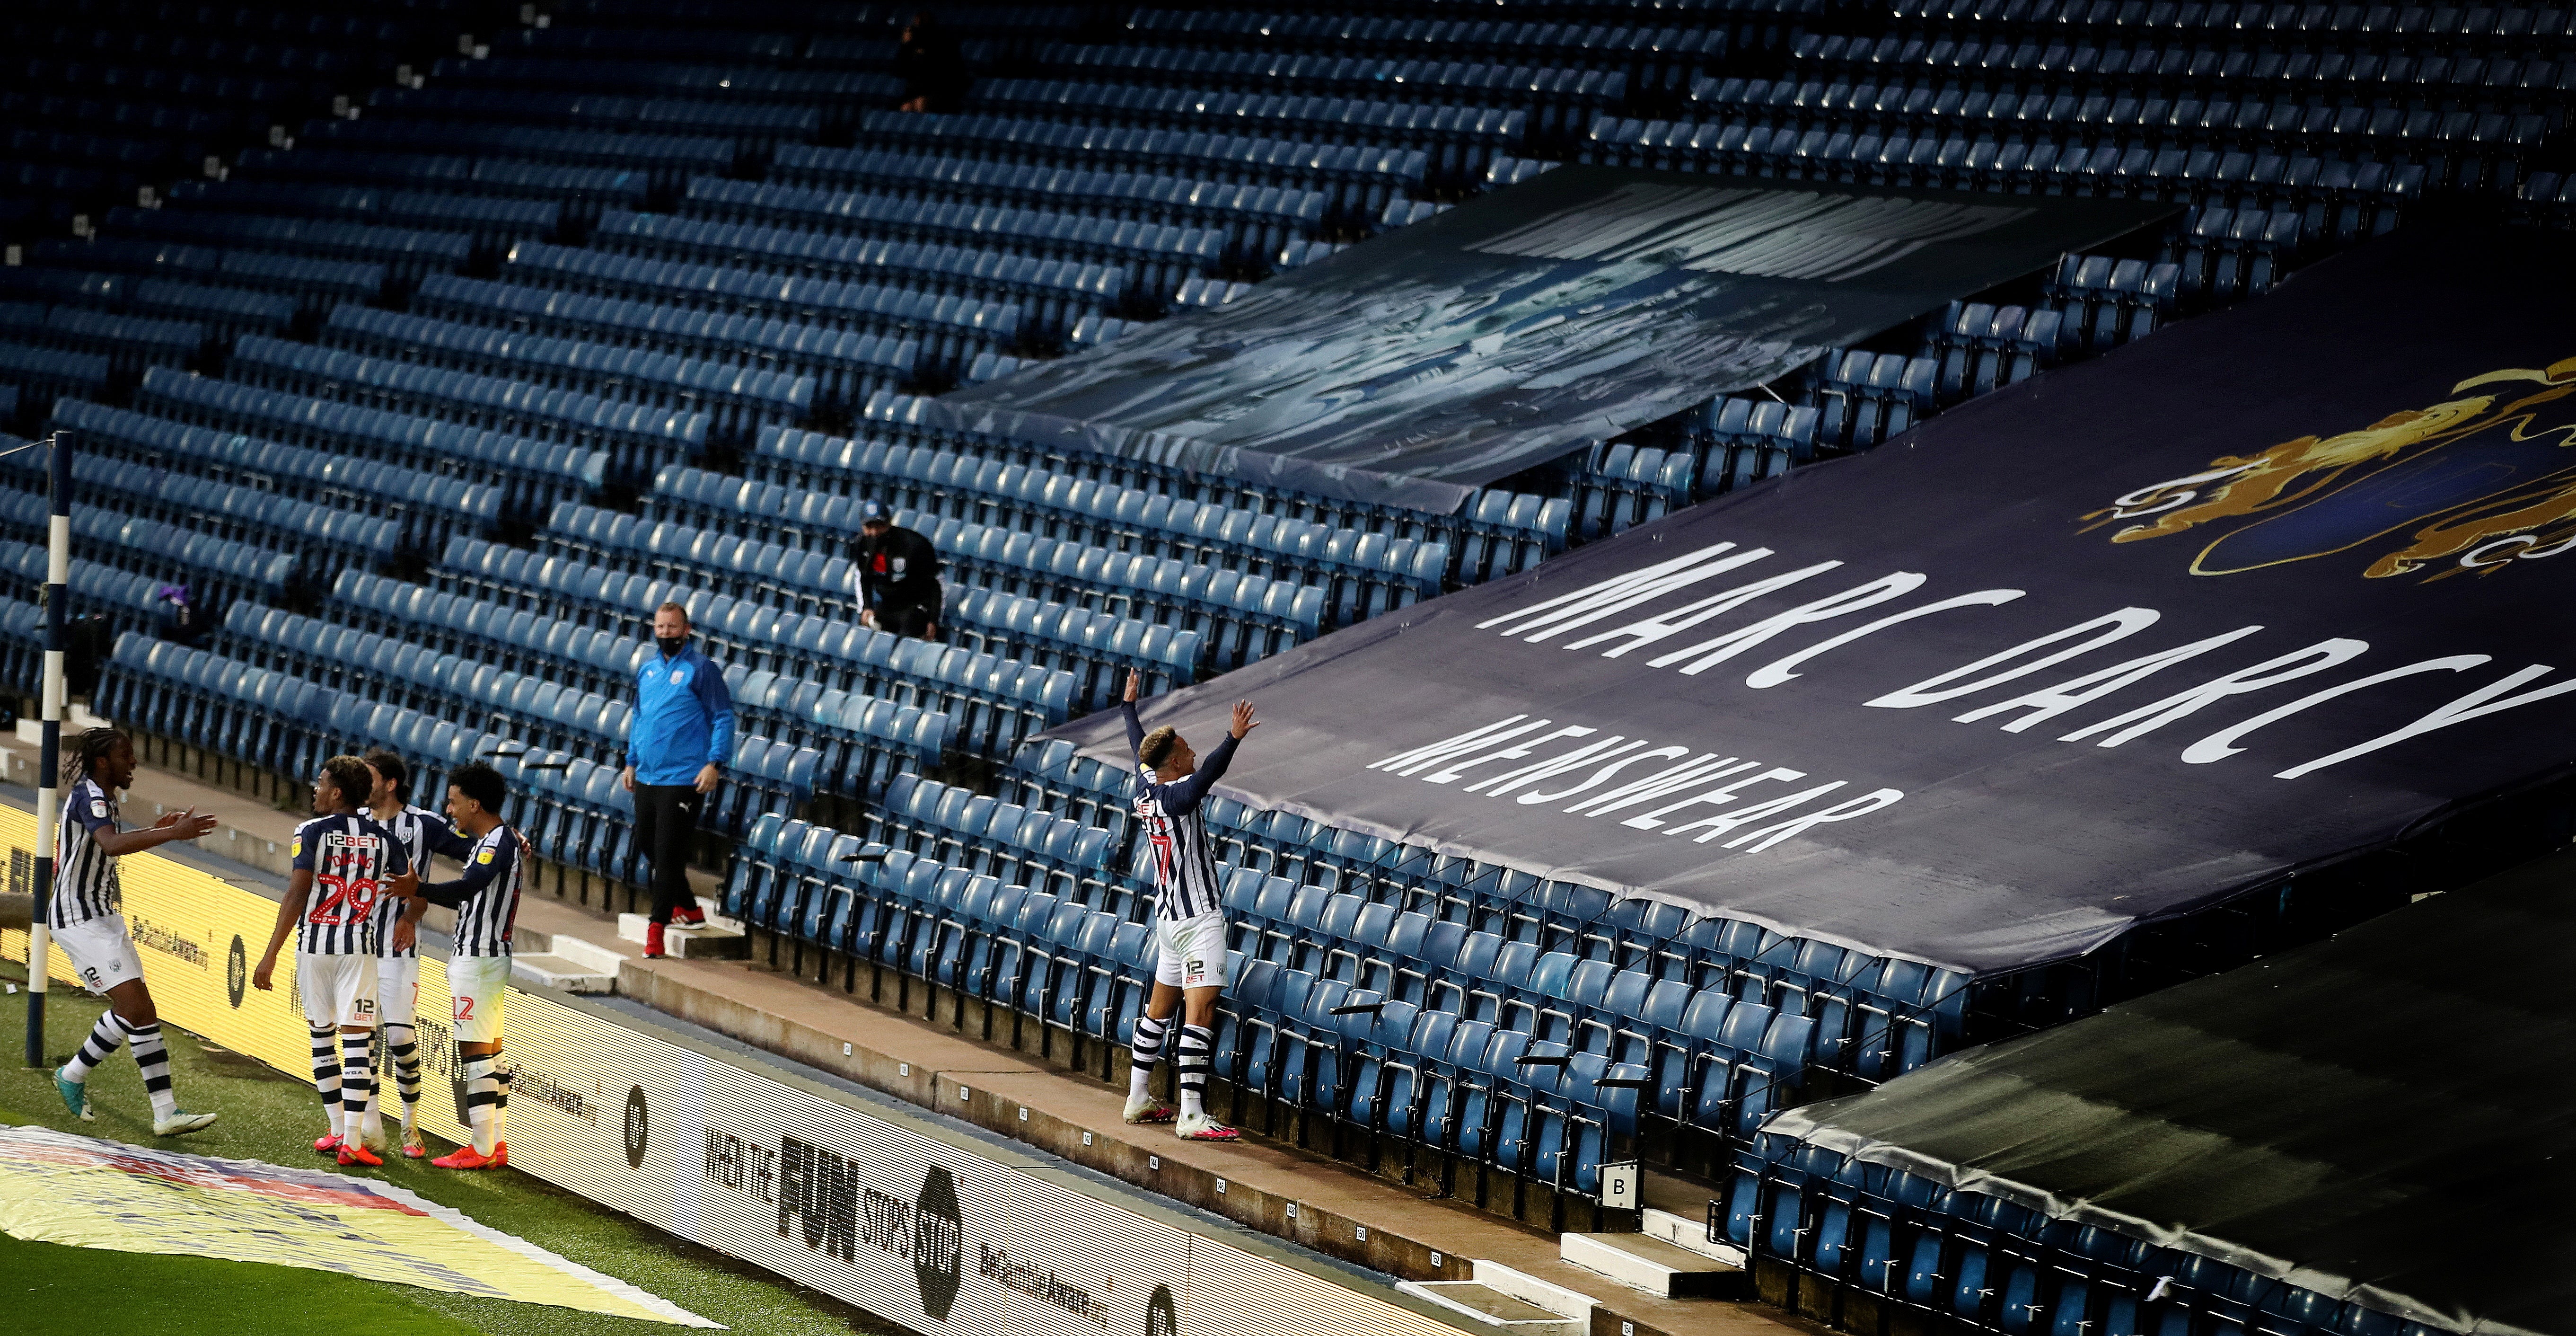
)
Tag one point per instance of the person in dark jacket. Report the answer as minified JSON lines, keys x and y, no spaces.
{"x":677,"y":747}
{"x":898,"y":577}
{"x":932,"y":66}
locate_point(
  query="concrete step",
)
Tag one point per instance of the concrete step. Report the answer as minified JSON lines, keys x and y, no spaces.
{"x":562,"y":974}
{"x":600,"y":959}
{"x":568,"y":963}
{"x":714,"y":941}
{"x":1690,"y":1234}
{"x":1657,"y":1267}
{"x":1573,"y":1305}
{"x":1488,"y":1305}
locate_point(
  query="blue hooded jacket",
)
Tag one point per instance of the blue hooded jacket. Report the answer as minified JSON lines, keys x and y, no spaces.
{"x":683,"y":718}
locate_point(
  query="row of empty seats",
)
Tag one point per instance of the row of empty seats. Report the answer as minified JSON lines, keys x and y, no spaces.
{"x":737,"y":400}
{"x":316,"y":531}
{"x":315,"y":283}
{"x":223,"y":311}
{"x":489,"y":223}
{"x":1975,"y":1259}
{"x":214,"y":569}
{"x":426,"y":506}
{"x":127,"y":343}
{"x":1151,"y":256}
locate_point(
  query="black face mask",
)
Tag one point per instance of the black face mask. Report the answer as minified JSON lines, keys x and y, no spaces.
{"x":671,"y":645}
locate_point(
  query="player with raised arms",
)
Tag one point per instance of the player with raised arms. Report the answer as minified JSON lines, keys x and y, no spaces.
{"x":1191,"y":968}
{"x":88,"y":917}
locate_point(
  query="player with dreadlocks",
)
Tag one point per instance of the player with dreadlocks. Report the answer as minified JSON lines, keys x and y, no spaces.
{"x":87,"y":913}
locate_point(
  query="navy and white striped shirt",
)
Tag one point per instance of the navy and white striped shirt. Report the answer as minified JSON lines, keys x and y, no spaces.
{"x":422,"y":832}
{"x":1175,"y":828}
{"x":350,"y":857}
{"x":85,"y":881}
{"x":486,"y":898}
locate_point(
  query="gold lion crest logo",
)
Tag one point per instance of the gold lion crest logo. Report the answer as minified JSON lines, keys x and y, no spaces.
{"x":2469,"y":486}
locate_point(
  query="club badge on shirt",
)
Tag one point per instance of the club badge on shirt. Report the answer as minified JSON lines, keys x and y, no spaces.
{"x":679,"y":677}
{"x":98,"y":807}
{"x":483,"y":857}
{"x":295,"y":847}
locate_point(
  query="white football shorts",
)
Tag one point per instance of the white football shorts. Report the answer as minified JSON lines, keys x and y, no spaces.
{"x":397,"y":988}
{"x":101,"y":953}
{"x":475,"y":985}
{"x":337,"y":989}
{"x":1191,"y":951}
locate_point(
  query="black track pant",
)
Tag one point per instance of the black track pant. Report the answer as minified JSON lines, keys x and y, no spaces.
{"x":666,"y":823}
{"x":909,"y":620}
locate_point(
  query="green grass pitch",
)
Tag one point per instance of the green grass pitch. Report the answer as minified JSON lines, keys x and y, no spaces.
{"x":60,"y":1291}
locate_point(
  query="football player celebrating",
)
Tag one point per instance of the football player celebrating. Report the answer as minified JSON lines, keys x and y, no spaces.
{"x":87,"y":913}
{"x":422,"y":833}
{"x":352,"y":862}
{"x":486,"y":901}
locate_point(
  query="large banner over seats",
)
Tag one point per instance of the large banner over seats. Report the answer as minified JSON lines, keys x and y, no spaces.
{"x":1516,"y":327}
{"x":2268,"y":588}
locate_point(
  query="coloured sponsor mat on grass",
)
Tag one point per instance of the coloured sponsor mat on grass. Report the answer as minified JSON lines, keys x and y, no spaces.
{"x":89,"y":1193}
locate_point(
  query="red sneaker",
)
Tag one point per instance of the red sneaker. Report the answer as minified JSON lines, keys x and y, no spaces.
{"x":466,"y":1157}
{"x":689,"y":916}
{"x":329,"y":1145}
{"x":652,"y":941}
{"x":500,"y":1155}
{"x":354,"y":1152}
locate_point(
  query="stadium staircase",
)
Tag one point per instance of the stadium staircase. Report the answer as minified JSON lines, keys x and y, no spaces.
{"x":439,"y":344}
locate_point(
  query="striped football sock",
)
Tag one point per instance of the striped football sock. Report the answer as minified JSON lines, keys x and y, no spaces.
{"x":481,"y":1093}
{"x":326,"y":1076}
{"x":357,"y":1077}
{"x":1196,"y":1044}
{"x":406,"y":1060}
{"x":1145,"y":1050}
{"x":153,"y":1057}
{"x":102,"y":1043}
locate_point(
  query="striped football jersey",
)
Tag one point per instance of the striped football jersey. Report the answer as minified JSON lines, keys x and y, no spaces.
{"x":350,"y":857}
{"x":1173,"y":820}
{"x":85,"y":880}
{"x":495,"y":872}
{"x":1185,"y":883}
{"x":422,"y":832}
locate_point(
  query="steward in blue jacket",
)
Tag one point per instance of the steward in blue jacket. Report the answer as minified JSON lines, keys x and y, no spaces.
{"x":676,"y":751}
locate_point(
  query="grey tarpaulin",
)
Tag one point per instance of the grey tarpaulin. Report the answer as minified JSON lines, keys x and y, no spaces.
{"x":2387,"y":1117}
{"x":2270,"y":587}
{"x":1527,"y":322}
